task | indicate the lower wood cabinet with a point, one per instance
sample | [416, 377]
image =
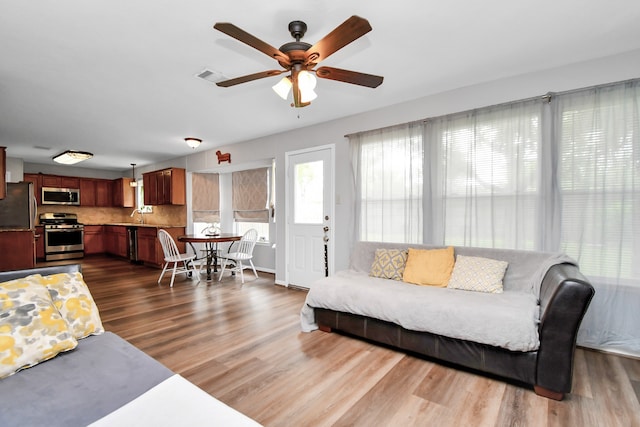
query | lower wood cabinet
[115, 240]
[40, 255]
[149, 247]
[19, 251]
[94, 240]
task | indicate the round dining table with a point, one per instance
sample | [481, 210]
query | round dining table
[211, 246]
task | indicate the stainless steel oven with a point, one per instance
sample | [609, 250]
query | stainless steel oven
[63, 236]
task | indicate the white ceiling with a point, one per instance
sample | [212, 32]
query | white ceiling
[117, 77]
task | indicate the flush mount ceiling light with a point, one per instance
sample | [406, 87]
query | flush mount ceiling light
[193, 142]
[299, 59]
[71, 157]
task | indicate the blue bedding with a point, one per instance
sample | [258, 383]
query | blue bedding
[81, 386]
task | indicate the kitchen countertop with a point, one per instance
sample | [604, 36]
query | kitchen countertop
[137, 224]
[16, 229]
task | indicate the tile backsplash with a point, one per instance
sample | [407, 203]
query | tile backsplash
[161, 215]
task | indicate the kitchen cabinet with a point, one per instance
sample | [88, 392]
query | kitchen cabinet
[124, 195]
[60, 181]
[36, 179]
[95, 192]
[149, 247]
[165, 187]
[94, 240]
[20, 250]
[116, 241]
[87, 192]
[39, 243]
[3, 172]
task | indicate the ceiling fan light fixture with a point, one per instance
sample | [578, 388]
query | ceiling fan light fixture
[71, 157]
[307, 82]
[193, 142]
[283, 87]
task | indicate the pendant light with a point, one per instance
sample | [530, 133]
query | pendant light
[133, 183]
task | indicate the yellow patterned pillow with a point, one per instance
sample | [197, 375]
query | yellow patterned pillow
[389, 264]
[478, 274]
[72, 298]
[31, 328]
[430, 267]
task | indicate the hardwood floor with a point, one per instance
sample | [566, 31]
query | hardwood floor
[243, 345]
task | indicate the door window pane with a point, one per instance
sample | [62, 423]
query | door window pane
[308, 192]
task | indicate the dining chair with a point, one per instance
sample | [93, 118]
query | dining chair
[172, 255]
[244, 253]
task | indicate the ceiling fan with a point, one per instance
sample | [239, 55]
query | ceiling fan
[300, 58]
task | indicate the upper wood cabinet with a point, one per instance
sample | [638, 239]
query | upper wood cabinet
[60, 181]
[165, 187]
[124, 195]
[95, 192]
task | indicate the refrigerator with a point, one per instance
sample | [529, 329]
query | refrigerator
[18, 208]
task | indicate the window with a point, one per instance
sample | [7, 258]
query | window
[486, 190]
[389, 170]
[599, 179]
[252, 194]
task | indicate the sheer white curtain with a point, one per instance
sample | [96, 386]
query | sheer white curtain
[485, 177]
[388, 167]
[597, 132]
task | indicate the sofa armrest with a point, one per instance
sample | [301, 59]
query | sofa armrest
[45, 271]
[565, 295]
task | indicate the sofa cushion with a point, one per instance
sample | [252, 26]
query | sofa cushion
[508, 320]
[477, 274]
[431, 267]
[389, 264]
[72, 298]
[31, 328]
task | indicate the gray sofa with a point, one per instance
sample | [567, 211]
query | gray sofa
[100, 381]
[413, 318]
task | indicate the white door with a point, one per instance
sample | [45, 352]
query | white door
[309, 215]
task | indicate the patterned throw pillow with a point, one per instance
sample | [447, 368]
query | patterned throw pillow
[478, 274]
[429, 267]
[31, 328]
[72, 298]
[389, 264]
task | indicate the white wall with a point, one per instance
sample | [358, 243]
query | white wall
[604, 70]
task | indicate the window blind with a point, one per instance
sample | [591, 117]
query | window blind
[250, 190]
[205, 197]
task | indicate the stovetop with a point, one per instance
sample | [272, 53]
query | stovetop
[59, 219]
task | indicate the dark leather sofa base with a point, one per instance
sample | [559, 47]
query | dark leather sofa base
[520, 367]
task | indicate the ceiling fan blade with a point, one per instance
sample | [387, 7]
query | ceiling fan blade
[246, 38]
[353, 77]
[250, 77]
[350, 30]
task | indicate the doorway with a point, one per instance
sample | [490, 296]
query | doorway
[310, 210]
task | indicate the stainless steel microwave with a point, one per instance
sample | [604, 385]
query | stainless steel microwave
[60, 196]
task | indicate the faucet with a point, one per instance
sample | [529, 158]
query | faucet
[141, 219]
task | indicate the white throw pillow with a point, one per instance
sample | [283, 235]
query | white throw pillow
[478, 274]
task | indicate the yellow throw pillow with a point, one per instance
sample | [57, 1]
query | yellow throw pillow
[389, 264]
[430, 267]
[31, 328]
[72, 298]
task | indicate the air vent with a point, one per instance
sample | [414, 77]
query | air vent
[211, 76]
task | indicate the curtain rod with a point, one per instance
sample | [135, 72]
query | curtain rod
[546, 98]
